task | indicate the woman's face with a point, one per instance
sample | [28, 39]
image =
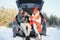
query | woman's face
[35, 12]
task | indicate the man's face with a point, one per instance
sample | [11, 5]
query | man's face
[21, 11]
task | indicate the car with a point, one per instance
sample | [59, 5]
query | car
[27, 6]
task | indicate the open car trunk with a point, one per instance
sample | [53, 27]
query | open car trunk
[30, 1]
[28, 5]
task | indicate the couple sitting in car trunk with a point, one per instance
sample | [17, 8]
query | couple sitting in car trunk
[30, 21]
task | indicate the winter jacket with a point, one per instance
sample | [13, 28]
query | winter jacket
[19, 18]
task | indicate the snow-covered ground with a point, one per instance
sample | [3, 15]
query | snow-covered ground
[7, 34]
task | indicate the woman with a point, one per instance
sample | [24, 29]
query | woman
[35, 20]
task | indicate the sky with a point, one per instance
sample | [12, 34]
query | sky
[50, 7]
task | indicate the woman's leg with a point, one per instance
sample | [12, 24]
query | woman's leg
[36, 31]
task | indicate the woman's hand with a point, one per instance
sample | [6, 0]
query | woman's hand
[33, 20]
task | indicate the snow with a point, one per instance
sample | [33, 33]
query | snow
[52, 34]
[7, 34]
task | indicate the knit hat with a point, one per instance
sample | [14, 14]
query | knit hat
[35, 9]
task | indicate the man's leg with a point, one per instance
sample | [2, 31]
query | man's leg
[29, 28]
[24, 28]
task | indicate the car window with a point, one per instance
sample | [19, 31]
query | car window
[29, 5]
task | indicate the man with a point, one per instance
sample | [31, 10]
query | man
[22, 21]
[35, 20]
[20, 17]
